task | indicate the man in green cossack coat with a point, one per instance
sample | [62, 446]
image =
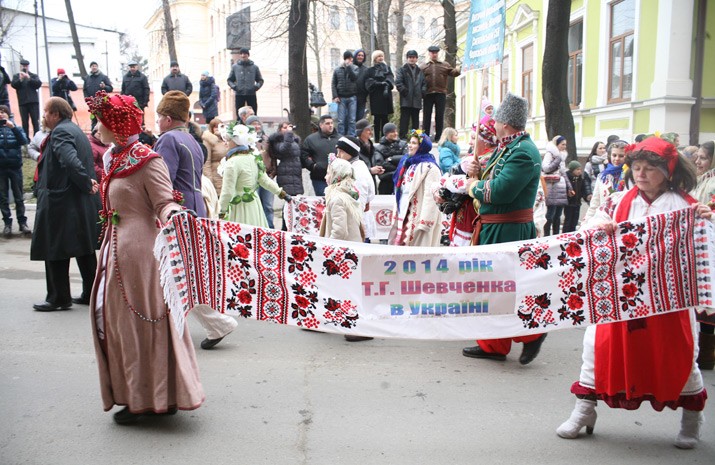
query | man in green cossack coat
[505, 192]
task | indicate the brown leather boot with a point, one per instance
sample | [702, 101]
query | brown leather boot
[706, 357]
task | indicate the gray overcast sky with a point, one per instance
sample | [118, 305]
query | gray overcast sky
[121, 15]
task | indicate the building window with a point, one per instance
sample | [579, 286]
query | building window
[350, 19]
[334, 57]
[433, 29]
[463, 100]
[408, 25]
[504, 80]
[527, 73]
[420, 27]
[575, 66]
[620, 63]
[334, 17]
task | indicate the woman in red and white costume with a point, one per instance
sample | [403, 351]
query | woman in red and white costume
[650, 359]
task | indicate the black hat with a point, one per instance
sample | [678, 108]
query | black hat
[350, 145]
[433, 48]
[347, 54]
[24, 62]
[94, 63]
[412, 53]
[174, 63]
[361, 125]
[244, 50]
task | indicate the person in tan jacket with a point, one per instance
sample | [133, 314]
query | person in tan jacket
[437, 74]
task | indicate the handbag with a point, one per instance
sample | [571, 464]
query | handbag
[317, 99]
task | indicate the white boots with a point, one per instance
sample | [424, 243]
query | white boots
[689, 429]
[584, 414]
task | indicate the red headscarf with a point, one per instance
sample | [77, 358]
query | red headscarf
[660, 147]
[119, 113]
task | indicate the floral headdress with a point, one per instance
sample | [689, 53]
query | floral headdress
[658, 146]
[418, 133]
[425, 141]
[118, 113]
[238, 133]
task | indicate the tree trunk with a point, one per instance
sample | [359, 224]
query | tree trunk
[362, 8]
[168, 30]
[450, 40]
[75, 39]
[383, 32]
[399, 34]
[298, 66]
[315, 46]
[554, 84]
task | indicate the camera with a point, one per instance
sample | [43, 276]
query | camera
[3, 122]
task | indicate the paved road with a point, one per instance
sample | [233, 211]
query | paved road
[277, 395]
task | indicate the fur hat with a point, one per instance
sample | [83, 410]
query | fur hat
[349, 145]
[513, 111]
[175, 104]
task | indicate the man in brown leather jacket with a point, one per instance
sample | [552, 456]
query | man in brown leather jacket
[436, 74]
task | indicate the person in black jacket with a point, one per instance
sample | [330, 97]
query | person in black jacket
[26, 84]
[245, 79]
[582, 190]
[94, 82]
[136, 85]
[67, 208]
[284, 149]
[176, 81]
[61, 87]
[359, 58]
[411, 84]
[344, 86]
[387, 155]
[208, 96]
[12, 138]
[315, 150]
[379, 82]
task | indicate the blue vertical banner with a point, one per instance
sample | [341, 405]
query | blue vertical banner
[485, 36]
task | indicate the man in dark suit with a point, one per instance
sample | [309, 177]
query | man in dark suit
[67, 208]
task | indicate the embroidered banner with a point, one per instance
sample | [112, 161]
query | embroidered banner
[658, 264]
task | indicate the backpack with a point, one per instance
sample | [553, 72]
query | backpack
[218, 93]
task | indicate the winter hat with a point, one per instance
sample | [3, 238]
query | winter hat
[118, 113]
[244, 50]
[512, 111]
[411, 53]
[486, 104]
[574, 165]
[60, 71]
[347, 54]
[361, 125]
[24, 62]
[93, 63]
[205, 73]
[174, 63]
[388, 128]
[252, 119]
[349, 145]
[175, 104]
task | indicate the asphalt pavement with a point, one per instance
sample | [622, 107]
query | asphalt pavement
[278, 395]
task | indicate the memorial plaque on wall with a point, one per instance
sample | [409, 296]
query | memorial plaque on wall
[238, 29]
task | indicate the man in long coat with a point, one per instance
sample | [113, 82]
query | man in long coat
[506, 192]
[67, 208]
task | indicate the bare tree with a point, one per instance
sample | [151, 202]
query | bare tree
[554, 72]
[364, 19]
[7, 17]
[298, 65]
[315, 44]
[168, 30]
[399, 14]
[383, 25]
[75, 39]
[450, 42]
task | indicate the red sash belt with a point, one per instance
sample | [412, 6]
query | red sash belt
[519, 216]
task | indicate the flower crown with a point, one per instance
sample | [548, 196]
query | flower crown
[239, 133]
[418, 133]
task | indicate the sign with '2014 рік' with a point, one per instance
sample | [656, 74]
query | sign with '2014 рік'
[425, 286]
